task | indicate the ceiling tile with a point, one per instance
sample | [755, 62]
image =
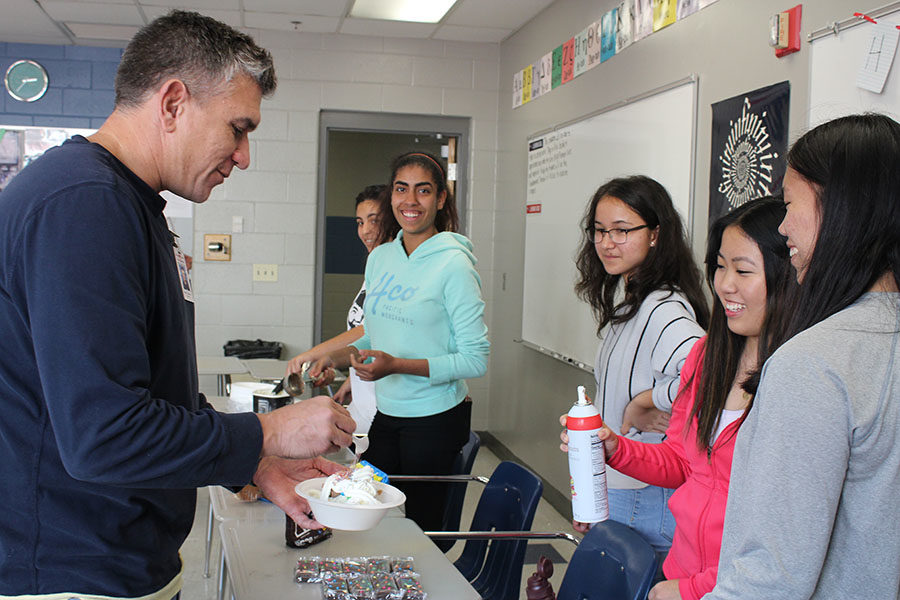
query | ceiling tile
[501, 14]
[283, 22]
[387, 28]
[94, 31]
[194, 4]
[458, 33]
[93, 12]
[321, 8]
[229, 17]
[21, 19]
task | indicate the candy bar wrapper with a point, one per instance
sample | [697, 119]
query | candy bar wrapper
[385, 588]
[358, 566]
[379, 564]
[408, 582]
[379, 474]
[399, 564]
[334, 587]
[359, 587]
[308, 570]
[333, 565]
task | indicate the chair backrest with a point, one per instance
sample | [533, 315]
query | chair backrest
[456, 494]
[508, 503]
[612, 562]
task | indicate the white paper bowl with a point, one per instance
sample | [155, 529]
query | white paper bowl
[349, 517]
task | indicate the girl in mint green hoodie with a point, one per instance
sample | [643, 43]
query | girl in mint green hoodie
[425, 334]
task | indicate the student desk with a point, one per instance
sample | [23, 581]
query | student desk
[259, 564]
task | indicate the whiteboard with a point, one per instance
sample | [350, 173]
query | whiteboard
[834, 63]
[653, 136]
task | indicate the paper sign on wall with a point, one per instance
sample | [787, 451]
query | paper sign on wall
[568, 60]
[581, 53]
[878, 56]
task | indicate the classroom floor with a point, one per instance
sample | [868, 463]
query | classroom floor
[197, 587]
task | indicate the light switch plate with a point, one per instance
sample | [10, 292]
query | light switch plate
[263, 272]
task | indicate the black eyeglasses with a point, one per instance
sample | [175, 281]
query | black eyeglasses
[618, 236]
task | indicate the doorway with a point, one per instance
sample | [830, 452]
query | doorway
[356, 150]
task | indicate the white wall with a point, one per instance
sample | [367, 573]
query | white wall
[276, 196]
[726, 45]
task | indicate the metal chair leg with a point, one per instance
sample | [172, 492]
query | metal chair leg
[222, 580]
[210, 522]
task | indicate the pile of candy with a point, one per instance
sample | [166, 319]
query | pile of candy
[363, 578]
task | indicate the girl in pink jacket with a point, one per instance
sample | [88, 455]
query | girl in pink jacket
[748, 268]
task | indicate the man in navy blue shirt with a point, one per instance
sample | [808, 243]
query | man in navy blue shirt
[104, 436]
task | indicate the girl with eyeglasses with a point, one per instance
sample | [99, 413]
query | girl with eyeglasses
[638, 274]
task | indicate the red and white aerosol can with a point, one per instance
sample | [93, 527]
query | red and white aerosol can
[587, 462]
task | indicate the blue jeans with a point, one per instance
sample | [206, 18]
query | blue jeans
[646, 511]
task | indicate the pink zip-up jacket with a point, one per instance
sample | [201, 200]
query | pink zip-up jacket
[701, 478]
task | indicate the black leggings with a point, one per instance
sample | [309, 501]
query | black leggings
[420, 446]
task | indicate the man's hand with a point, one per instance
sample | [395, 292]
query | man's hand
[277, 477]
[306, 429]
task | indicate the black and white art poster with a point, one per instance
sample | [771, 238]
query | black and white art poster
[749, 147]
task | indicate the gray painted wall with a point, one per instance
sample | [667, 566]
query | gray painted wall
[726, 45]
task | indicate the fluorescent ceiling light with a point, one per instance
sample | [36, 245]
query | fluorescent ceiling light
[417, 11]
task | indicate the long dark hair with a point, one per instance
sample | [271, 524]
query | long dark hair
[758, 220]
[852, 163]
[669, 265]
[447, 218]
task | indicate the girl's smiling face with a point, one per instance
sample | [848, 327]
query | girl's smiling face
[415, 203]
[740, 282]
[802, 220]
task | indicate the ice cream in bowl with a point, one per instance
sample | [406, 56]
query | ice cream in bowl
[351, 501]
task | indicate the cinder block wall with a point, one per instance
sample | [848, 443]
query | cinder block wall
[80, 94]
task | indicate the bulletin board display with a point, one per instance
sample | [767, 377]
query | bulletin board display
[654, 135]
[836, 63]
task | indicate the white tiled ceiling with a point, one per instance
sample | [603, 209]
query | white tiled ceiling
[112, 22]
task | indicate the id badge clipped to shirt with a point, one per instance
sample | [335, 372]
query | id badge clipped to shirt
[183, 274]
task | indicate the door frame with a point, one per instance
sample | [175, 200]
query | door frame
[382, 122]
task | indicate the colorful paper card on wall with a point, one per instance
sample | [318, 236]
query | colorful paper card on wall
[557, 67]
[664, 13]
[593, 45]
[687, 7]
[546, 73]
[568, 60]
[526, 85]
[608, 35]
[581, 53]
[624, 25]
[535, 80]
[643, 19]
[517, 89]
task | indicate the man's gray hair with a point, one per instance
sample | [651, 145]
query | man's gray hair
[202, 52]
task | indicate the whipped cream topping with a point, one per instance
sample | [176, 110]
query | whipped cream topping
[355, 487]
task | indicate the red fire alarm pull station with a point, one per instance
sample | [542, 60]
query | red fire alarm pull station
[786, 31]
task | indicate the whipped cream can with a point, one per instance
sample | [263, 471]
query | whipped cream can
[587, 462]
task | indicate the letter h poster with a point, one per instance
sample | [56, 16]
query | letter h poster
[749, 147]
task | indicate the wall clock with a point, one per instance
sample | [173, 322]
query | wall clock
[26, 80]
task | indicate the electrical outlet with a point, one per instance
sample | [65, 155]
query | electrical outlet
[265, 272]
